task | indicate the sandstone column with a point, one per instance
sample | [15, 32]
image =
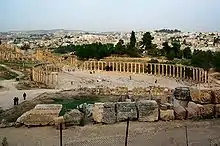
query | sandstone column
[181, 71]
[151, 70]
[205, 72]
[135, 67]
[184, 72]
[170, 70]
[139, 68]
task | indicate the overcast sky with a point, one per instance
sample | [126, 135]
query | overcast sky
[110, 15]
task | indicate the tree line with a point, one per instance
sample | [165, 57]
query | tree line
[197, 58]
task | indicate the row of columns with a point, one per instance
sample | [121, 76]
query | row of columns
[12, 56]
[175, 71]
[45, 77]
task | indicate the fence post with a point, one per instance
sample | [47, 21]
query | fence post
[187, 142]
[61, 140]
[126, 137]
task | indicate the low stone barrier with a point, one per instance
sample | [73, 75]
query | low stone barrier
[42, 114]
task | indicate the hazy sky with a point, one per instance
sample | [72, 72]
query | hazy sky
[110, 15]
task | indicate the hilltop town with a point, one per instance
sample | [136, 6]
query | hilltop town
[60, 37]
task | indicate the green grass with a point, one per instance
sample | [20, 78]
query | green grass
[69, 104]
[6, 75]
[18, 64]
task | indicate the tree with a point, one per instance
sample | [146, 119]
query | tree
[166, 48]
[146, 41]
[187, 53]
[119, 48]
[171, 55]
[176, 47]
[0, 42]
[132, 40]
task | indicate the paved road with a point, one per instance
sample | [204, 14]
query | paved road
[140, 134]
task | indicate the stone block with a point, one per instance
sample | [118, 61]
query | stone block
[109, 113]
[97, 112]
[206, 111]
[73, 117]
[217, 110]
[126, 110]
[148, 110]
[42, 114]
[192, 111]
[167, 115]
[201, 96]
[179, 112]
[216, 94]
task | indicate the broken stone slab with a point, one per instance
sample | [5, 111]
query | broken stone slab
[201, 96]
[206, 111]
[97, 112]
[192, 111]
[126, 110]
[167, 115]
[42, 114]
[73, 117]
[217, 110]
[216, 94]
[179, 112]
[104, 112]
[148, 110]
[109, 113]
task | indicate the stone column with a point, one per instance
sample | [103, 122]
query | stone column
[159, 69]
[98, 65]
[177, 71]
[113, 66]
[120, 67]
[162, 72]
[102, 66]
[201, 76]
[170, 70]
[184, 72]
[131, 67]
[124, 66]
[135, 67]
[151, 69]
[90, 63]
[139, 68]
[205, 73]
[174, 71]
[181, 71]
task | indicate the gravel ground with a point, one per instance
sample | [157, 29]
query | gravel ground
[140, 134]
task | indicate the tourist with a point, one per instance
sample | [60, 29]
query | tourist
[17, 100]
[130, 77]
[24, 96]
[14, 100]
[155, 81]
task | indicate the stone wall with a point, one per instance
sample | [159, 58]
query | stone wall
[150, 111]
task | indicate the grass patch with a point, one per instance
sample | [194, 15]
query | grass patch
[6, 75]
[18, 64]
[69, 104]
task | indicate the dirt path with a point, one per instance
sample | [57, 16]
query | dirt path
[140, 134]
[9, 91]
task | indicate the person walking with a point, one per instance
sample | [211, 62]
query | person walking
[24, 96]
[17, 100]
[14, 100]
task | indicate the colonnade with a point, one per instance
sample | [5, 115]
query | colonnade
[47, 75]
[169, 70]
[11, 56]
